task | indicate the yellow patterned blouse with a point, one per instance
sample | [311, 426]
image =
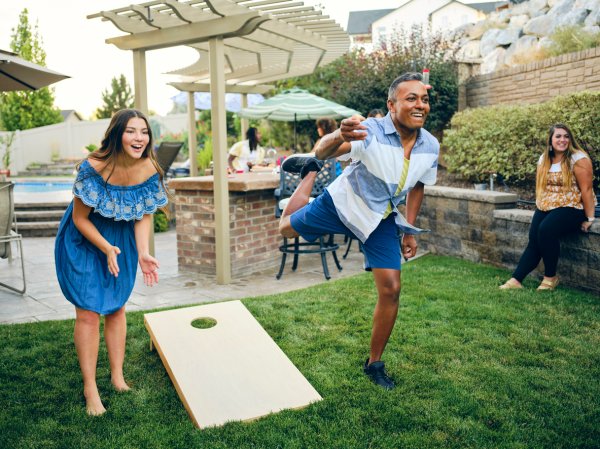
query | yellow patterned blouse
[556, 194]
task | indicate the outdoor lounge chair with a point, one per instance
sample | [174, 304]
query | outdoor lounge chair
[166, 153]
[287, 184]
[8, 231]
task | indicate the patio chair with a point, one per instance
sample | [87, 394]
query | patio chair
[8, 231]
[287, 185]
[166, 153]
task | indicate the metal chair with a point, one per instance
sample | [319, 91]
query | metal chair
[166, 153]
[287, 185]
[8, 231]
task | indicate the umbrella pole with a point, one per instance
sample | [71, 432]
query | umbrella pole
[295, 149]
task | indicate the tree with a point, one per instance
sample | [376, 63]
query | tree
[360, 80]
[28, 109]
[119, 97]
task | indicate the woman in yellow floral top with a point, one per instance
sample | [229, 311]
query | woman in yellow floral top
[564, 203]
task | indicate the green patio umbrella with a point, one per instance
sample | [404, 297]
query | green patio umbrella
[296, 104]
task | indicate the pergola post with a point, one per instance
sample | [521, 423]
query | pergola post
[219, 141]
[192, 135]
[140, 86]
[244, 121]
[140, 89]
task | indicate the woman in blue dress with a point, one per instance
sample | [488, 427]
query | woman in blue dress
[102, 237]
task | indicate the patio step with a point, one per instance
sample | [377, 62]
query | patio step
[38, 228]
[38, 215]
[39, 219]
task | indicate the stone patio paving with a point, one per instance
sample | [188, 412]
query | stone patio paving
[44, 301]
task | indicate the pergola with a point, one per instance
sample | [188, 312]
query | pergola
[242, 45]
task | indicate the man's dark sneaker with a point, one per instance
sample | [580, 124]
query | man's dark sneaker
[301, 164]
[377, 374]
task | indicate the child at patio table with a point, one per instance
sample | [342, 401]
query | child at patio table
[101, 238]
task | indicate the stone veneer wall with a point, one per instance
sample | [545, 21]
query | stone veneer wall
[484, 226]
[254, 231]
[535, 82]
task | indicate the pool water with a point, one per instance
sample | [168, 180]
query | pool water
[43, 186]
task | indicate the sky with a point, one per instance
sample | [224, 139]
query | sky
[76, 46]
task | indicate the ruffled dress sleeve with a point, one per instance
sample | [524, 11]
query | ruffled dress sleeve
[118, 202]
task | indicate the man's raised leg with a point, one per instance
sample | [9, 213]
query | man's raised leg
[297, 201]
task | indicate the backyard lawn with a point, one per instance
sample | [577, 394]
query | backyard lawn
[476, 367]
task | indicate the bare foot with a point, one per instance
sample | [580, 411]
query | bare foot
[120, 385]
[93, 403]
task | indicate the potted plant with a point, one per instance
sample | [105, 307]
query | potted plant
[6, 142]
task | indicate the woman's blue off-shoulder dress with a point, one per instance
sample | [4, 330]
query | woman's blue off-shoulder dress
[81, 268]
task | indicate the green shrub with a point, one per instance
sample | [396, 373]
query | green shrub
[161, 222]
[205, 156]
[570, 39]
[508, 140]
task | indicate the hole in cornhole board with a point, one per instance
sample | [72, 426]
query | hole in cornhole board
[204, 323]
[232, 371]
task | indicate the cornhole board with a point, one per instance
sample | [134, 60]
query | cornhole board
[230, 372]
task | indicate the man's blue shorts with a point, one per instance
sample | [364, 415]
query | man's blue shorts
[382, 248]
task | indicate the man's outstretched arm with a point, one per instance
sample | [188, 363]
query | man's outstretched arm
[338, 142]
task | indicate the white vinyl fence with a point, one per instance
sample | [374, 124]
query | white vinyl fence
[68, 140]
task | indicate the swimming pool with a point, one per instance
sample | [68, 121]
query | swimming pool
[42, 186]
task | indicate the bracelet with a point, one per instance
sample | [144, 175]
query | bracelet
[591, 219]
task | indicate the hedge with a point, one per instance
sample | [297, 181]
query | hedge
[508, 140]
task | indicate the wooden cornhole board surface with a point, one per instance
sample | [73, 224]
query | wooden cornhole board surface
[230, 372]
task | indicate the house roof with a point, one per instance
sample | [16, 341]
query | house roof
[483, 7]
[359, 22]
[68, 112]
[487, 7]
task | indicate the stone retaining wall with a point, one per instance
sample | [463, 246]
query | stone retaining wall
[484, 226]
[535, 82]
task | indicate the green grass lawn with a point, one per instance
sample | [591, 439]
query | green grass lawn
[475, 367]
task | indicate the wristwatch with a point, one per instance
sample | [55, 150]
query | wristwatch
[590, 219]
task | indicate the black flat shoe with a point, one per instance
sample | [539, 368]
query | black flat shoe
[377, 374]
[302, 165]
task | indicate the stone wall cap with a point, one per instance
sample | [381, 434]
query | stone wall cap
[484, 196]
[242, 182]
[520, 215]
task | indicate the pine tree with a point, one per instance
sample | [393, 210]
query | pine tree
[28, 109]
[119, 97]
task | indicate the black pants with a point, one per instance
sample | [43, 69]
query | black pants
[544, 233]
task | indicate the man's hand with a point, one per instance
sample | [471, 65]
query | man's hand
[409, 246]
[351, 129]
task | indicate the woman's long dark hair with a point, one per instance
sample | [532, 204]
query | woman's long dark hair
[252, 136]
[111, 147]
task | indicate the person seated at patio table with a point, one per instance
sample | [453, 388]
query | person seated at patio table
[244, 154]
[565, 203]
[326, 126]
[393, 158]
[102, 237]
[377, 113]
